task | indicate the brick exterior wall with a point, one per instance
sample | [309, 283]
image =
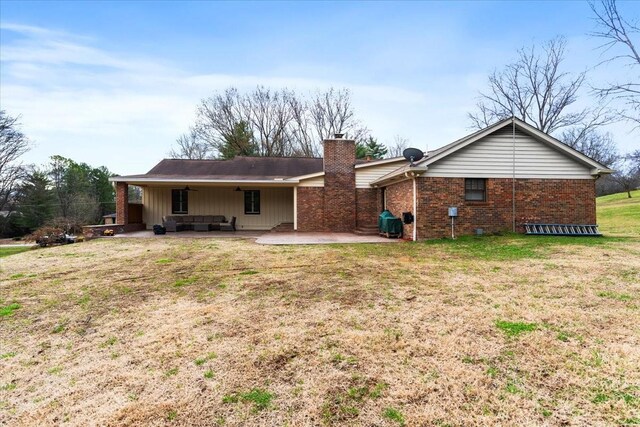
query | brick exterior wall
[368, 206]
[310, 208]
[399, 198]
[122, 203]
[561, 201]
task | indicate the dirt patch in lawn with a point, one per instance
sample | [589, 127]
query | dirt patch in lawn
[507, 330]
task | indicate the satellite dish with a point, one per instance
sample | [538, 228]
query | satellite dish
[413, 154]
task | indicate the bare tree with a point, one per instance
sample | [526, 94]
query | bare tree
[13, 144]
[274, 122]
[190, 146]
[619, 35]
[589, 140]
[398, 145]
[533, 88]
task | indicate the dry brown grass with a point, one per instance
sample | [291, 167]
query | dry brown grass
[109, 331]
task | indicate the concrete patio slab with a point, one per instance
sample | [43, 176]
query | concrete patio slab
[296, 238]
[192, 234]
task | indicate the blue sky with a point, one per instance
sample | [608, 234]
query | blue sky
[114, 83]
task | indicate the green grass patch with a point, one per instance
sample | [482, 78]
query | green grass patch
[393, 414]
[9, 309]
[171, 372]
[183, 282]
[8, 387]
[164, 261]
[208, 374]
[248, 272]
[260, 398]
[613, 295]
[12, 251]
[513, 329]
[8, 355]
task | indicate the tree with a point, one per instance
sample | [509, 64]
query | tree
[535, 89]
[627, 176]
[36, 201]
[190, 146]
[593, 143]
[398, 146]
[370, 149]
[268, 122]
[13, 144]
[83, 194]
[619, 34]
[239, 142]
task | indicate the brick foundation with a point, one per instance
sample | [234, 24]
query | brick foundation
[562, 201]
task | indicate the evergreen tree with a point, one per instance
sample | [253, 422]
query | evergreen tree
[371, 148]
[239, 142]
[35, 201]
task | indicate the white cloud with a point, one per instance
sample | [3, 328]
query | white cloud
[124, 111]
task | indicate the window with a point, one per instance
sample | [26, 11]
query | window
[179, 201]
[252, 202]
[475, 189]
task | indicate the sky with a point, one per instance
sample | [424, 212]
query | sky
[115, 83]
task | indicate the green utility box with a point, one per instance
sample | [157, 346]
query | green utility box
[389, 225]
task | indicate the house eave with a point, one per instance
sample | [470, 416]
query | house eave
[399, 175]
[185, 180]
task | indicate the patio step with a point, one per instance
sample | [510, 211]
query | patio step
[366, 230]
[284, 227]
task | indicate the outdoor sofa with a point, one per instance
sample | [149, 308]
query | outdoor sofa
[197, 223]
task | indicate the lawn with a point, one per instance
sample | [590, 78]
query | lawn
[507, 330]
[6, 251]
[618, 214]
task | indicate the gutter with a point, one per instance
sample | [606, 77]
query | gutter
[203, 181]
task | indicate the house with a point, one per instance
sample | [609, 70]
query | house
[498, 178]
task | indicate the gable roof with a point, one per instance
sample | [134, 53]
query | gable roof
[434, 156]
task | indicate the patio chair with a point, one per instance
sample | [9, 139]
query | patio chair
[228, 226]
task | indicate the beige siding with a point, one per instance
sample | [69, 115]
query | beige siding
[492, 157]
[276, 205]
[318, 181]
[365, 176]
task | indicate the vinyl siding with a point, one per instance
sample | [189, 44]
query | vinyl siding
[312, 182]
[365, 176]
[492, 157]
[276, 205]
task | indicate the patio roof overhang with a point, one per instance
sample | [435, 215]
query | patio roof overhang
[180, 181]
[401, 174]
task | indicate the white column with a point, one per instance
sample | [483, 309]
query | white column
[295, 208]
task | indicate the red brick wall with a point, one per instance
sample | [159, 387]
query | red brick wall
[339, 185]
[537, 200]
[368, 206]
[310, 205]
[122, 203]
[399, 199]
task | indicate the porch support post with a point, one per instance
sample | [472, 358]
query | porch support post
[295, 208]
[122, 203]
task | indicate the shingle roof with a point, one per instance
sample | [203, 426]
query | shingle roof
[239, 168]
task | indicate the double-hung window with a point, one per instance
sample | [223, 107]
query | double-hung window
[252, 202]
[179, 202]
[475, 189]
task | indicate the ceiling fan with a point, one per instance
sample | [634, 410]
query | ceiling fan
[189, 189]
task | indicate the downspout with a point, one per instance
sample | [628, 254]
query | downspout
[415, 211]
[513, 178]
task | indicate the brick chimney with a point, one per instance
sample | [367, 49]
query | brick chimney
[339, 184]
